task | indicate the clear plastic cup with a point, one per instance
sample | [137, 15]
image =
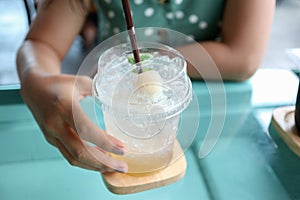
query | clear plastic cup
[144, 115]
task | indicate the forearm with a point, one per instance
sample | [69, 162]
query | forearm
[50, 36]
[245, 31]
[216, 60]
[36, 58]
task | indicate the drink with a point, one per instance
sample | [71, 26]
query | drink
[143, 110]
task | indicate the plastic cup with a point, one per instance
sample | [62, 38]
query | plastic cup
[144, 115]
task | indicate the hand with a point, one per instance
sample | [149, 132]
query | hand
[50, 98]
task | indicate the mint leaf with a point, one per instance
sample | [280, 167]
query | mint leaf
[143, 57]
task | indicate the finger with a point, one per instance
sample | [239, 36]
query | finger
[83, 85]
[92, 133]
[114, 140]
[108, 160]
[67, 155]
[85, 127]
[71, 159]
[86, 154]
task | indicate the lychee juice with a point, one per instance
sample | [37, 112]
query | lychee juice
[143, 109]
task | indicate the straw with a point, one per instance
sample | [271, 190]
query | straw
[131, 33]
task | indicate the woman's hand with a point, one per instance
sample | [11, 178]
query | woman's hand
[53, 98]
[54, 101]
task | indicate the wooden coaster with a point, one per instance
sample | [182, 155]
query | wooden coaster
[125, 183]
[283, 120]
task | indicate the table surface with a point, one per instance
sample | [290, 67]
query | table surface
[246, 159]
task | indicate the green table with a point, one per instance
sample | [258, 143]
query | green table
[246, 162]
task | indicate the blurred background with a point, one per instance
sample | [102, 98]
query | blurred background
[14, 25]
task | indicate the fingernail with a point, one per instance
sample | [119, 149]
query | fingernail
[121, 170]
[119, 151]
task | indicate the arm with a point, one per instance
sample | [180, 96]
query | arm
[49, 38]
[53, 97]
[245, 30]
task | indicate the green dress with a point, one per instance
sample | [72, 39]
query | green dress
[198, 19]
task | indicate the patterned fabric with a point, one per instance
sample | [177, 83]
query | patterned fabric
[199, 19]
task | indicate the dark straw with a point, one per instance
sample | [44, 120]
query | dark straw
[131, 33]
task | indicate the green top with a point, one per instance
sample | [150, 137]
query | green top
[199, 19]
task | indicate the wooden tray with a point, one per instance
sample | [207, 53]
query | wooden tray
[284, 122]
[125, 183]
